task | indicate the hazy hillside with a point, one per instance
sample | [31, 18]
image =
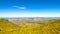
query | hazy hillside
[32, 20]
[51, 26]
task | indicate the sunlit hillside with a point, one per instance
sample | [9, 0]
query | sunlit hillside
[6, 26]
[51, 26]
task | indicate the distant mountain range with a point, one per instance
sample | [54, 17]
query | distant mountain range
[18, 20]
[31, 18]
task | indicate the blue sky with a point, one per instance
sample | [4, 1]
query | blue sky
[29, 8]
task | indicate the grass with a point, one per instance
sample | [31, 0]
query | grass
[52, 27]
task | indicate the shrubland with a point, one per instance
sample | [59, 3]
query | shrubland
[51, 26]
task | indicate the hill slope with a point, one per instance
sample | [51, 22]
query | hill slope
[7, 26]
[53, 27]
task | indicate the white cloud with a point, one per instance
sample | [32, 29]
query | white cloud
[19, 7]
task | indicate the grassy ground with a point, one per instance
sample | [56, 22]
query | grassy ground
[52, 27]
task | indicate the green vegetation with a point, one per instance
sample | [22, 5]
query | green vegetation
[48, 27]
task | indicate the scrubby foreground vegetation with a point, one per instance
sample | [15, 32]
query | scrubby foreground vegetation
[48, 27]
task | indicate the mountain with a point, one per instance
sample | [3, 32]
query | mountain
[35, 20]
[7, 27]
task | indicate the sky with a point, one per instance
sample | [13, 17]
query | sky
[29, 8]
